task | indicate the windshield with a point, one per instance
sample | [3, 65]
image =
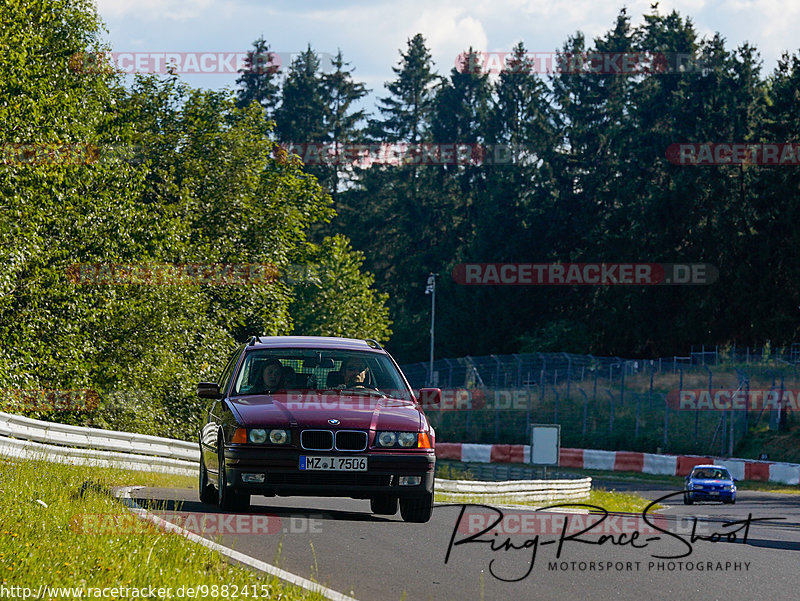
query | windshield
[266, 371]
[711, 474]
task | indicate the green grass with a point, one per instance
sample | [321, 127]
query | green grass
[452, 470]
[624, 502]
[38, 544]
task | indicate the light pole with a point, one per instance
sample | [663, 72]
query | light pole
[431, 289]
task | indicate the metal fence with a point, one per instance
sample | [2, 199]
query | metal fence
[614, 403]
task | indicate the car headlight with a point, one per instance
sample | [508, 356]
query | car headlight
[690, 486]
[407, 439]
[257, 436]
[387, 439]
[278, 436]
[261, 435]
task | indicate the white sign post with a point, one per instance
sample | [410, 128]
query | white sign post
[545, 444]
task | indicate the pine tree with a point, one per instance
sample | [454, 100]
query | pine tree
[257, 82]
[406, 111]
[302, 115]
[341, 120]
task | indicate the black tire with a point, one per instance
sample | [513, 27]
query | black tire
[417, 509]
[687, 499]
[383, 505]
[227, 498]
[206, 490]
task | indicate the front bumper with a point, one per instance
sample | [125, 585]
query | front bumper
[283, 476]
[711, 495]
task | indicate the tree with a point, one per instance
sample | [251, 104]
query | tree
[335, 298]
[302, 115]
[257, 80]
[159, 174]
[406, 111]
[341, 122]
[462, 104]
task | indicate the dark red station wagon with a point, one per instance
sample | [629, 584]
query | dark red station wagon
[317, 416]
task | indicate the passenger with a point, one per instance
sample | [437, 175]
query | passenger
[272, 376]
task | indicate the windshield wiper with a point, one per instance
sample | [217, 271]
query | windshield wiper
[372, 391]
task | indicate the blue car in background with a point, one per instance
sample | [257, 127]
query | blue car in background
[709, 483]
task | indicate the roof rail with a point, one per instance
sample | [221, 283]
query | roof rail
[253, 341]
[373, 343]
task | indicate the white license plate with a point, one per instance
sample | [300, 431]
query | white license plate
[714, 493]
[333, 464]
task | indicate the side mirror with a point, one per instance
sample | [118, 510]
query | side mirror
[208, 390]
[736, 479]
[430, 396]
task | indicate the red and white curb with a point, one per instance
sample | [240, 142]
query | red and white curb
[622, 461]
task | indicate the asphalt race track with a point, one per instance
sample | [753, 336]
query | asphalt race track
[338, 543]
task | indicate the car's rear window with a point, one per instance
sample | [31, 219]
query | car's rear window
[316, 370]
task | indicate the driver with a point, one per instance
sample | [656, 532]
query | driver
[354, 372]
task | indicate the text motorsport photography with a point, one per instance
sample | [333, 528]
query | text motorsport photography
[513, 543]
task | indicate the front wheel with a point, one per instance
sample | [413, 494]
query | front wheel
[417, 509]
[227, 498]
[687, 499]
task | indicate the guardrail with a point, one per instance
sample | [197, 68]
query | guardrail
[532, 491]
[23, 437]
[26, 428]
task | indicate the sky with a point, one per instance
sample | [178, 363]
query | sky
[370, 34]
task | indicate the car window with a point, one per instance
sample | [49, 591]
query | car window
[225, 377]
[318, 370]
